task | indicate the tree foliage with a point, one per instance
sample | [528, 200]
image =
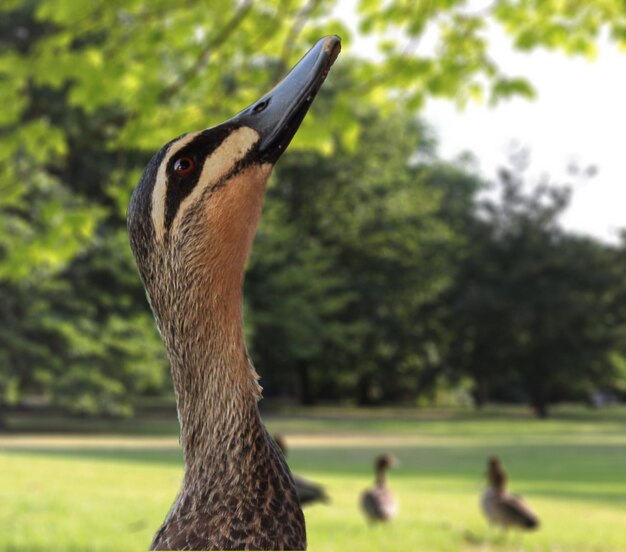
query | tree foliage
[530, 309]
[345, 259]
[355, 248]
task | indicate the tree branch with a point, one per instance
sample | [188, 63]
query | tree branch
[205, 55]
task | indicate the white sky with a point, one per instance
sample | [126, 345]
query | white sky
[579, 113]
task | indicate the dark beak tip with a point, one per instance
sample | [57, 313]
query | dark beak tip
[332, 47]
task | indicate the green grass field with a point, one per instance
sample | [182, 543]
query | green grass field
[111, 490]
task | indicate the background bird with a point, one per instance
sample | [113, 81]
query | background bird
[379, 503]
[308, 491]
[501, 508]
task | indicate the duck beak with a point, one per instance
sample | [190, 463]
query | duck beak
[278, 114]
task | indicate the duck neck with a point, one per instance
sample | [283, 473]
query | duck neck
[216, 386]
[497, 480]
[381, 477]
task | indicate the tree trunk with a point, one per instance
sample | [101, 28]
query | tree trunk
[539, 399]
[479, 393]
[307, 397]
[541, 408]
[363, 388]
[3, 419]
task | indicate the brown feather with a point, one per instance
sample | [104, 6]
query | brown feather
[308, 491]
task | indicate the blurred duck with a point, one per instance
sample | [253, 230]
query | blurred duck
[308, 492]
[379, 503]
[502, 508]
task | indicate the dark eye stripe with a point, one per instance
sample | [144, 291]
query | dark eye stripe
[178, 188]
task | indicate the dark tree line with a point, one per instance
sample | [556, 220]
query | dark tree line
[422, 280]
[532, 308]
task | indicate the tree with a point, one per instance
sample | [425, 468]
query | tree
[617, 317]
[349, 250]
[530, 308]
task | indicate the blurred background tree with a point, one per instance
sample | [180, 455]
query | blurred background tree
[529, 307]
[375, 277]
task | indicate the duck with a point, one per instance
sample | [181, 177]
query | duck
[378, 503]
[191, 222]
[501, 508]
[308, 491]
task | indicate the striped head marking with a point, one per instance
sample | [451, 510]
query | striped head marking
[202, 190]
[193, 165]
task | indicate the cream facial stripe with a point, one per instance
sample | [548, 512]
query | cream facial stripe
[232, 150]
[159, 192]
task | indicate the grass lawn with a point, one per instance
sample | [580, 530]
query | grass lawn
[111, 490]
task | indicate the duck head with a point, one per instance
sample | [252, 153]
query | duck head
[385, 462]
[193, 215]
[495, 473]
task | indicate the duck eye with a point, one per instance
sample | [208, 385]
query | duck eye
[184, 166]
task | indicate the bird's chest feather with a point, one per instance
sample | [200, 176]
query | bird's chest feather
[235, 509]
